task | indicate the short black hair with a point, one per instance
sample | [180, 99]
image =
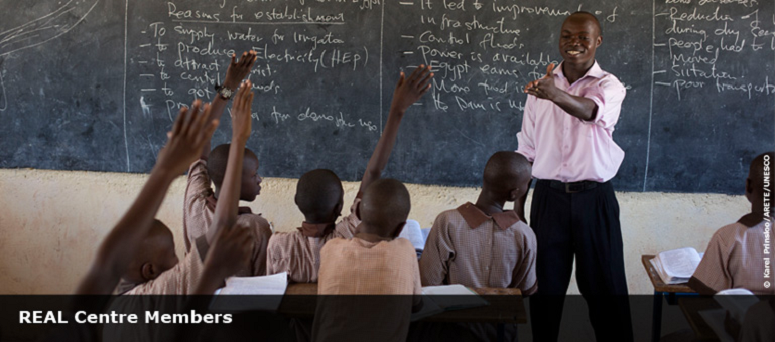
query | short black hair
[385, 205]
[219, 159]
[756, 173]
[594, 18]
[505, 170]
[318, 192]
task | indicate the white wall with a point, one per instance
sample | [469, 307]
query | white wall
[52, 221]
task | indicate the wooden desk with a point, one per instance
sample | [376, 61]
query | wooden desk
[506, 306]
[691, 308]
[661, 290]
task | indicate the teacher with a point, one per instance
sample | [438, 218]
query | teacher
[567, 132]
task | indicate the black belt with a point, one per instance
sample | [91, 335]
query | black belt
[570, 188]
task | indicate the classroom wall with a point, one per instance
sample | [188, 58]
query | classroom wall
[52, 221]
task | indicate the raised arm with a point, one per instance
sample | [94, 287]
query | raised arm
[226, 209]
[189, 133]
[577, 106]
[236, 72]
[407, 92]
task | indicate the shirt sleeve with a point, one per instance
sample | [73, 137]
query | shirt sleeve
[525, 138]
[179, 280]
[713, 270]
[197, 189]
[274, 256]
[524, 275]
[434, 262]
[608, 95]
[347, 227]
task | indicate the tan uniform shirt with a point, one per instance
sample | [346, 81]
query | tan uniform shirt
[735, 259]
[299, 255]
[359, 267]
[179, 280]
[198, 216]
[467, 247]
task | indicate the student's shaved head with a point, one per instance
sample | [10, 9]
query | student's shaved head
[385, 206]
[506, 170]
[157, 248]
[318, 194]
[219, 158]
[756, 174]
[586, 15]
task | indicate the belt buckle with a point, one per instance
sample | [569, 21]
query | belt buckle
[571, 188]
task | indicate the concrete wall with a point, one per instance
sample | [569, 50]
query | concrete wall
[53, 221]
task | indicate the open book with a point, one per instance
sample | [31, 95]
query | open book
[736, 301]
[268, 292]
[414, 234]
[437, 299]
[676, 266]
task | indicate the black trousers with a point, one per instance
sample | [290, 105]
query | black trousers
[584, 225]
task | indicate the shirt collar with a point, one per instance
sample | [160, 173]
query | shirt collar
[595, 71]
[475, 217]
[212, 202]
[316, 229]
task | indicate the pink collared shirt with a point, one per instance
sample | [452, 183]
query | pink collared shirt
[565, 148]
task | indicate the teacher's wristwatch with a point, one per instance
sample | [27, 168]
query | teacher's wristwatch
[224, 92]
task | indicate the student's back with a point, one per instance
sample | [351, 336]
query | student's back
[735, 257]
[373, 263]
[483, 245]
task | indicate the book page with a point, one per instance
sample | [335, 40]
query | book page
[452, 297]
[251, 293]
[267, 285]
[413, 233]
[680, 263]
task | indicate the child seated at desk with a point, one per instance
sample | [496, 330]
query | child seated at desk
[482, 245]
[735, 255]
[375, 263]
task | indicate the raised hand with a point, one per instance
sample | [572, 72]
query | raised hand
[543, 88]
[230, 252]
[409, 90]
[239, 69]
[240, 111]
[191, 130]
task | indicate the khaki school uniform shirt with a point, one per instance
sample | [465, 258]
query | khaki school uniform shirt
[179, 280]
[468, 247]
[199, 210]
[298, 252]
[381, 270]
[735, 259]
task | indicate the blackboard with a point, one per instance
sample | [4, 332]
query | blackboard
[95, 84]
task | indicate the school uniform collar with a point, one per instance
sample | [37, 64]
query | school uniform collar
[595, 71]
[475, 217]
[316, 229]
[211, 202]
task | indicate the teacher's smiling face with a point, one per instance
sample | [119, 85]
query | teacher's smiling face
[579, 39]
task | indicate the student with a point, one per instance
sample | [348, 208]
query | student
[184, 277]
[483, 245]
[735, 254]
[189, 133]
[200, 199]
[373, 262]
[319, 195]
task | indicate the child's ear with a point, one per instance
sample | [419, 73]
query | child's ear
[399, 229]
[514, 195]
[338, 209]
[749, 189]
[148, 271]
